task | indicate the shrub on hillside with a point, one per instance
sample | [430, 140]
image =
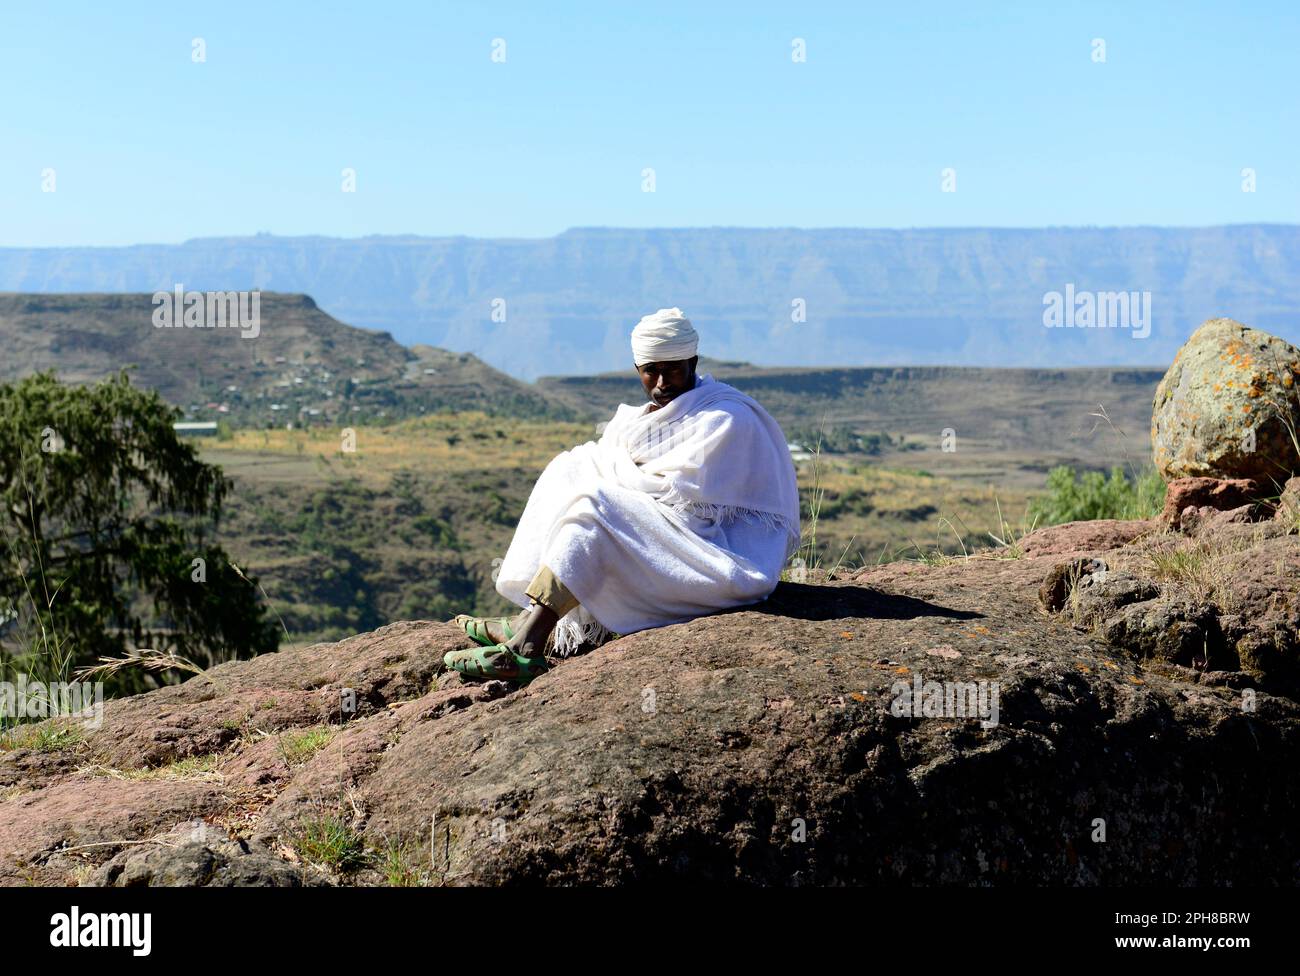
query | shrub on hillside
[1072, 497]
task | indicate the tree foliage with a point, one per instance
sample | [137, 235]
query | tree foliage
[1072, 498]
[107, 535]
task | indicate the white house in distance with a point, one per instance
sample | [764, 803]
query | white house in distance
[199, 428]
[798, 452]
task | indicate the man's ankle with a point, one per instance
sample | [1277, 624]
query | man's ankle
[530, 649]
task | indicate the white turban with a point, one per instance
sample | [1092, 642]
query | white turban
[663, 337]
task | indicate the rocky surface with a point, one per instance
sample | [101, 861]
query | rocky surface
[196, 855]
[1190, 495]
[1229, 407]
[1152, 703]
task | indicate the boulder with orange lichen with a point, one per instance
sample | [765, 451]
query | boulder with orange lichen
[1229, 407]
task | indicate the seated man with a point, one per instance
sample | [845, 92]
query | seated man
[687, 505]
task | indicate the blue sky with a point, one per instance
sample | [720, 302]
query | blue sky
[148, 146]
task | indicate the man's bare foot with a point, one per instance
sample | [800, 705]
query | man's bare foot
[491, 626]
[531, 633]
[498, 634]
[494, 630]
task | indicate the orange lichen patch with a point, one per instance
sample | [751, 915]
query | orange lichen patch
[902, 669]
[1084, 668]
[1246, 408]
[1136, 681]
[857, 696]
[1217, 387]
[846, 634]
[1235, 354]
[1287, 380]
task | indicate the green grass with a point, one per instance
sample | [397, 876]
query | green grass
[937, 556]
[807, 559]
[1009, 536]
[1177, 564]
[399, 867]
[45, 737]
[298, 747]
[327, 840]
[1202, 569]
[190, 769]
[34, 648]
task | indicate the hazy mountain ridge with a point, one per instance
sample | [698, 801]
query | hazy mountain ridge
[929, 296]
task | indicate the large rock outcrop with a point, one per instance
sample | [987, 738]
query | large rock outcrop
[764, 745]
[1229, 407]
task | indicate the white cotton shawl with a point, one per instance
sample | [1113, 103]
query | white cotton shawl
[672, 514]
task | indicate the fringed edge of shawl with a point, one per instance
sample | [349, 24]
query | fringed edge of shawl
[578, 628]
[729, 513]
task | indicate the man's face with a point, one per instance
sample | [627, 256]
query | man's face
[664, 382]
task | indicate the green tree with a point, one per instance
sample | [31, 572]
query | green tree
[1072, 498]
[106, 528]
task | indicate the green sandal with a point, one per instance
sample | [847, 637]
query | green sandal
[476, 627]
[495, 661]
